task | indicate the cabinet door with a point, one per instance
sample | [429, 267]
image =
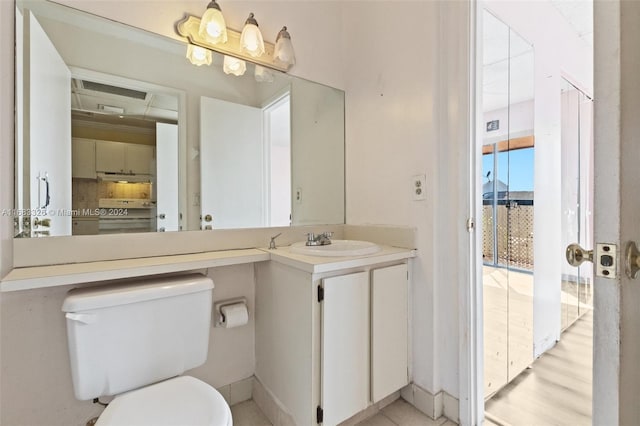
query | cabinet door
[389, 330]
[84, 226]
[138, 159]
[110, 157]
[83, 158]
[345, 346]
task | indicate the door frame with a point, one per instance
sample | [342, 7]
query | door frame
[613, 67]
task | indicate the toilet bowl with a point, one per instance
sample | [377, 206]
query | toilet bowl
[133, 341]
[183, 401]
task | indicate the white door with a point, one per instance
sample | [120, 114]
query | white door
[45, 138]
[167, 177]
[616, 207]
[277, 142]
[231, 165]
[389, 330]
[345, 347]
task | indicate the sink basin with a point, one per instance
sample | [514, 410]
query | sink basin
[337, 248]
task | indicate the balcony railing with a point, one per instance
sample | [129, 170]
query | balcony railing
[514, 232]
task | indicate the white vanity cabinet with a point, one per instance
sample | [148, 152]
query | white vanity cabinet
[83, 158]
[119, 157]
[329, 344]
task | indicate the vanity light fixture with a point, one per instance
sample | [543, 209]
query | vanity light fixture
[234, 66]
[263, 75]
[283, 52]
[213, 28]
[199, 55]
[251, 41]
[248, 45]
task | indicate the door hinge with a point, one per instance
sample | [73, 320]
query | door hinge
[320, 294]
[471, 224]
[319, 414]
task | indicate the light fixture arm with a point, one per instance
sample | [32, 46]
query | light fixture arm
[214, 5]
[251, 20]
[188, 28]
[283, 33]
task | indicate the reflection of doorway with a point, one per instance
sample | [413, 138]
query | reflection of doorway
[577, 198]
[125, 154]
[277, 158]
[549, 296]
[507, 203]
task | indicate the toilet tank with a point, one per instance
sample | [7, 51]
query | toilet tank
[126, 336]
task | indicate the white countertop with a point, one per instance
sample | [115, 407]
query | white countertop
[76, 273]
[318, 264]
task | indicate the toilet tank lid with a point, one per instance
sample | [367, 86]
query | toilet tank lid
[104, 296]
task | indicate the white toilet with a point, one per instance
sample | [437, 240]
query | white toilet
[132, 341]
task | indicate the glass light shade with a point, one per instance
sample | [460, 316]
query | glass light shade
[234, 66]
[283, 51]
[263, 75]
[212, 25]
[251, 41]
[199, 55]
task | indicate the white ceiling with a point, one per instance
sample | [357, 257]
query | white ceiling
[508, 67]
[508, 72]
[579, 13]
[155, 106]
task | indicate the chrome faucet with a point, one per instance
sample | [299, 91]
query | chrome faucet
[272, 243]
[323, 239]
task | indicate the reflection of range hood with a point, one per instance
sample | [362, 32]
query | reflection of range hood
[124, 178]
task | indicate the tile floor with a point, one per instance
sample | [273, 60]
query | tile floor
[398, 413]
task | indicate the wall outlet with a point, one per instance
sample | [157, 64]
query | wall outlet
[418, 187]
[299, 195]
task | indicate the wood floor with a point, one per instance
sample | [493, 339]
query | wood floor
[556, 390]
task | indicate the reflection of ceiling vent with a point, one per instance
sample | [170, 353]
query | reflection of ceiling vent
[111, 109]
[114, 90]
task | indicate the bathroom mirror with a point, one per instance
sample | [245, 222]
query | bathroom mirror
[115, 133]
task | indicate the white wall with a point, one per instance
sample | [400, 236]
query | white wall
[36, 376]
[317, 156]
[315, 27]
[6, 144]
[558, 51]
[392, 134]
[515, 121]
[35, 380]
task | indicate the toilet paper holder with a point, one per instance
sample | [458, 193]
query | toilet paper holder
[217, 309]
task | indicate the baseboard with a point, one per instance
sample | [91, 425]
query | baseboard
[277, 415]
[237, 392]
[269, 405]
[434, 406]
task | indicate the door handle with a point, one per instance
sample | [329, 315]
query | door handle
[576, 255]
[633, 260]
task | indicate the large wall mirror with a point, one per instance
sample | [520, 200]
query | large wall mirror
[116, 131]
[508, 148]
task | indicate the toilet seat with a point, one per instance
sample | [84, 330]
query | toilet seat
[182, 401]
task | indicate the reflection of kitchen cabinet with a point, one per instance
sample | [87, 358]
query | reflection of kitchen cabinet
[84, 226]
[138, 159]
[83, 158]
[335, 356]
[118, 157]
